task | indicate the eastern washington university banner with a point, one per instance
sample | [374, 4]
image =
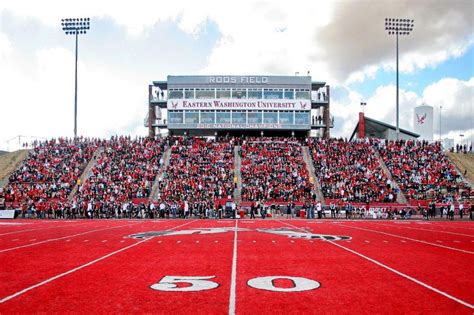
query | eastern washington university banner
[239, 104]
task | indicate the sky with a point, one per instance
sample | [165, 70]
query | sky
[131, 44]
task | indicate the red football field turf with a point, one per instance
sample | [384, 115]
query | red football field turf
[242, 267]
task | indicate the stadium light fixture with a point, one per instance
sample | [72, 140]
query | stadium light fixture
[363, 104]
[76, 27]
[398, 26]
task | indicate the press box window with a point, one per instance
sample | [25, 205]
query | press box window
[222, 93]
[239, 94]
[270, 117]
[188, 93]
[175, 117]
[273, 93]
[286, 118]
[191, 117]
[223, 117]
[175, 94]
[254, 93]
[205, 93]
[254, 117]
[238, 117]
[207, 117]
[302, 118]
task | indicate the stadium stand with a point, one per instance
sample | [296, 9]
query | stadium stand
[273, 170]
[200, 173]
[349, 171]
[423, 171]
[47, 176]
[125, 171]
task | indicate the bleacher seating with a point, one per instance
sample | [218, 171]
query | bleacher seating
[200, 171]
[273, 169]
[50, 172]
[350, 171]
[422, 170]
[126, 169]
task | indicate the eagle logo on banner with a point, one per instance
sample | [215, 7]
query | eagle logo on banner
[174, 105]
[420, 120]
[303, 105]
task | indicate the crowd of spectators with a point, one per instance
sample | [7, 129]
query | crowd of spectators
[125, 170]
[199, 174]
[350, 171]
[273, 169]
[422, 170]
[49, 173]
[199, 179]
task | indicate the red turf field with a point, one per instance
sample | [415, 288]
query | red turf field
[94, 267]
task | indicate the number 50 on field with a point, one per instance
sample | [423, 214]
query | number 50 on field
[202, 283]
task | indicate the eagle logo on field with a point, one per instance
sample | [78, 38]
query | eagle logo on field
[174, 105]
[306, 235]
[279, 231]
[421, 119]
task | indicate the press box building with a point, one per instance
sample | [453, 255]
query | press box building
[239, 105]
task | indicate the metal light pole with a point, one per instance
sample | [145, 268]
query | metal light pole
[363, 104]
[75, 26]
[396, 26]
[440, 108]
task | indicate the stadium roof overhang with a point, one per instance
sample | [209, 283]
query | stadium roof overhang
[317, 85]
[376, 126]
[162, 85]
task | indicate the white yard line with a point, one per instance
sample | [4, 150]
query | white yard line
[5, 299]
[63, 237]
[449, 296]
[396, 272]
[412, 239]
[39, 229]
[234, 274]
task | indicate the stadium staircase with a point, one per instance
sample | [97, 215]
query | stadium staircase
[400, 196]
[155, 190]
[237, 166]
[87, 172]
[310, 167]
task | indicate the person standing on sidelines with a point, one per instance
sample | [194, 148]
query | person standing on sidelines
[311, 210]
[186, 209]
[263, 210]
[288, 211]
[332, 207]
[252, 210]
[319, 210]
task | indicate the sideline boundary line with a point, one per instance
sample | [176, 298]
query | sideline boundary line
[5, 299]
[396, 272]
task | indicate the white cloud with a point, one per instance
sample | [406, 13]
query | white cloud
[339, 42]
[5, 47]
[454, 95]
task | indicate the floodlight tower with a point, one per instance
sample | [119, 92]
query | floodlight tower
[75, 26]
[396, 26]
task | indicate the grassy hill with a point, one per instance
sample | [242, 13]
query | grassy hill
[10, 161]
[464, 162]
